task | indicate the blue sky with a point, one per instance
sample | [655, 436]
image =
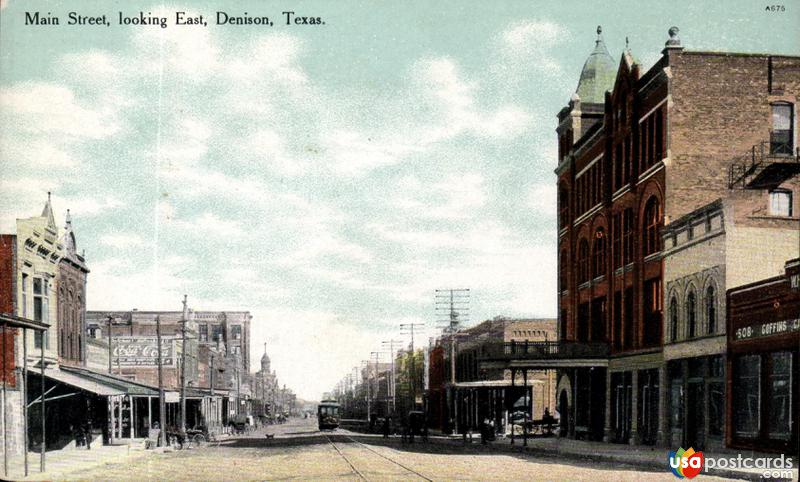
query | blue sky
[330, 178]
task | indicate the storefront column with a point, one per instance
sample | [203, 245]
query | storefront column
[634, 439]
[607, 423]
[662, 439]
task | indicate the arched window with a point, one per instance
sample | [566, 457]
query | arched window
[583, 261]
[673, 319]
[691, 315]
[711, 310]
[563, 271]
[599, 253]
[652, 227]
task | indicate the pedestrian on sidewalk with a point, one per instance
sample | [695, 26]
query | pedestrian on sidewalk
[387, 422]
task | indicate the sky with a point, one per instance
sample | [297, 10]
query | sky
[326, 178]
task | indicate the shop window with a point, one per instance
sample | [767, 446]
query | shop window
[781, 137]
[599, 253]
[780, 202]
[652, 227]
[780, 396]
[676, 402]
[711, 310]
[716, 397]
[673, 319]
[691, 315]
[747, 396]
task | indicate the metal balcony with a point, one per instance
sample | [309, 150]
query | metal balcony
[767, 165]
[543, 350]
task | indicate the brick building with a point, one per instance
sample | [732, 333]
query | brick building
[485, 385]
[637, 152]
[763, 340]
[71, 300]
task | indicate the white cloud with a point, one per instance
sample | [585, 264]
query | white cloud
[121, 240]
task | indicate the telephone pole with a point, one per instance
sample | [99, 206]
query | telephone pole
[408, 329]
[110, 358]
[162, 408]
[183, 367]
[391, 345]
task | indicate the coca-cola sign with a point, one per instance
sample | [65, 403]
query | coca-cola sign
[142, 351]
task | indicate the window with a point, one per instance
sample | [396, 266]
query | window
[780, 395]
[659, 141]
[563, 206]
[652, 228]
[780, 202]
[716, 390]
[618, 167]
[627, 320]
[563, 270]
[747, 396]
[599, 258]
[583, 261]
[203, 332]
[24, 295]
[691, 315]
[216, 333]
[236, 332]
[653, 309]
[673, 319]
[781, 137]
[616, 248]
[627, 234]
[711, 310]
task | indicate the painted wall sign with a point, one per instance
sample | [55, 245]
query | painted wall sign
[767, 329]
[142, 351]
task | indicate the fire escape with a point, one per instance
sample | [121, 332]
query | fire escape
[767, 165]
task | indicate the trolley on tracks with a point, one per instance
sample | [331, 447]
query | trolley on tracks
[328, 415]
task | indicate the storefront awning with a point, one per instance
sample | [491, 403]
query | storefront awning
[79, 382]
[495, 384]
[101, 384]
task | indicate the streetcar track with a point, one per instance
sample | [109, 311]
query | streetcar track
[352, 467]
[407, 469]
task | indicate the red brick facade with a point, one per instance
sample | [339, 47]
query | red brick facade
[7, 303]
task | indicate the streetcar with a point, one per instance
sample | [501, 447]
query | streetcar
[328, 414]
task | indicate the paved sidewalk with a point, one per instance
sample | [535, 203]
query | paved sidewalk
[643, 456]
[58, 463]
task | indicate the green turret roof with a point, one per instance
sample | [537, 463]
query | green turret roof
[598, 74]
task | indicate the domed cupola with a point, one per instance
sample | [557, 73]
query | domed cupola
[598, 74]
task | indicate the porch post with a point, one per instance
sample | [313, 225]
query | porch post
[132, 413]
[634, 438]
[527, 404]
[607, 423]
[663, 407]
[511, 408]
[25, 395]
[41, 449]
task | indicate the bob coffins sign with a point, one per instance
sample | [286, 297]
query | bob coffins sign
[142, 351]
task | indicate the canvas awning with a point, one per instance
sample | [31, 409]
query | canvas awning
[495, 384]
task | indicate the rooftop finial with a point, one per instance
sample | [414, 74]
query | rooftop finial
[48, 195]
[627, 43]
[599, 31]
[674, 40]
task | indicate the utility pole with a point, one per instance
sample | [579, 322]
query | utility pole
[369, 408]
[391, 344]
[452, 309]
[377, 354]
[162, 409]
[183, 367]
[406, 329]
[110, 358]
